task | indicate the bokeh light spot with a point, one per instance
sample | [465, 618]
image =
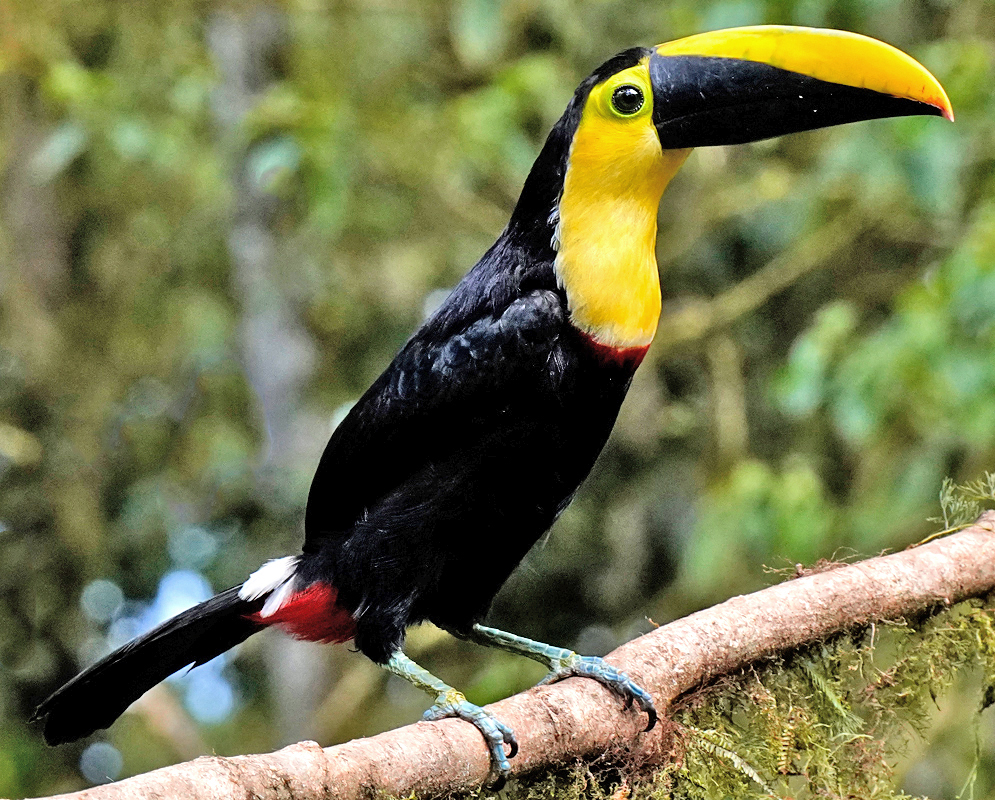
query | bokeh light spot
[101, 762]
[101, 600]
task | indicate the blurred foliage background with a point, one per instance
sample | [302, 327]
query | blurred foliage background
[219, 221]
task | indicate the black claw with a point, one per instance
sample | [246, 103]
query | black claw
[498, 736]
[651, 722]
[498, 783]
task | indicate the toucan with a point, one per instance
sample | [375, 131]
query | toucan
[480, 431]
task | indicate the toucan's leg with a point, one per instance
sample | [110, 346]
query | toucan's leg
[451, 703]
[563, 663]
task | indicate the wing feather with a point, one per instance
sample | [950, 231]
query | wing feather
[447, 388]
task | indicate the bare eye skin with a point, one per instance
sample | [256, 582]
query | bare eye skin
[627, 99]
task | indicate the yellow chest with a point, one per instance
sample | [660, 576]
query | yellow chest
[606, 258]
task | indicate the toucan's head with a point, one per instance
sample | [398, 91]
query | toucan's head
[730, 87]
[592, 196]
[745, 84]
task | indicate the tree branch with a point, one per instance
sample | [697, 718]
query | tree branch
[578, 718]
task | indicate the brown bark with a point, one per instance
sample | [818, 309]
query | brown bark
[578, 718]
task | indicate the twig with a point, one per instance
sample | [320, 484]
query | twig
[578, 718]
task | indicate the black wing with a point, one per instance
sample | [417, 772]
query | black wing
[451, 384]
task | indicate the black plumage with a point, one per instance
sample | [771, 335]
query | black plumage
[99, 695]
[464, 451]
[473, 443]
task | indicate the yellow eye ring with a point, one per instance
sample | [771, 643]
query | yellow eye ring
[626, 95]
[627, 100]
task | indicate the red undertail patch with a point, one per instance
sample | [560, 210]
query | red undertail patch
[312, 614]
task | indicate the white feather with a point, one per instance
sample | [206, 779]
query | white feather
[276, 600]
[274, 578]
[554, 222]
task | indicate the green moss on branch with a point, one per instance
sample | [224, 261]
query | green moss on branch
[835, 720]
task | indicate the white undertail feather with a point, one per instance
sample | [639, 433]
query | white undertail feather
[275, 578]
[554, 222]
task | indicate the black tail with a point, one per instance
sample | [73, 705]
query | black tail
[99, 695]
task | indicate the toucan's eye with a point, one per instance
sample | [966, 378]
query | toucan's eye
[627, 99]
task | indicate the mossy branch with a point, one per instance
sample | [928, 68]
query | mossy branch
[578, 719]
[961, 504]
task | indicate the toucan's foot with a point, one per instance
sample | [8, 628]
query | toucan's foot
[568, 664]
[565, 663]
[497, 735]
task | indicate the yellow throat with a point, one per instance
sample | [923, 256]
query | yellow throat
[606, 257]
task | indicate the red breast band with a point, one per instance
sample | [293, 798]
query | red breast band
[629, 357]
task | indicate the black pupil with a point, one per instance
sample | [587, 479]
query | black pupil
[627, 99]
